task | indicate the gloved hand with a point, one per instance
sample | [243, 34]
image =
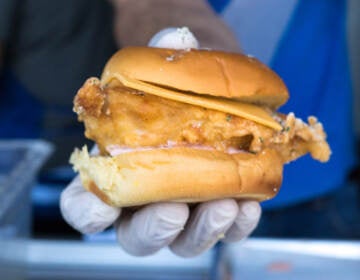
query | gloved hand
[143, 232]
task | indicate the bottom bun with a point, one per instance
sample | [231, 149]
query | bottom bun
[178, 174]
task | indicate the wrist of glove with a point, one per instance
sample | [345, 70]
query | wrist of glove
[186, 232]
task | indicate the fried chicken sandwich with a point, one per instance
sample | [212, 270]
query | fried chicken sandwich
[188, 125]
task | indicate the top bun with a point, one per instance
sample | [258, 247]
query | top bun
[208, 72]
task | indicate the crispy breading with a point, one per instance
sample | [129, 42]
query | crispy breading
[117, 116]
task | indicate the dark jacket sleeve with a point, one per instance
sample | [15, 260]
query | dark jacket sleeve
[8, 10]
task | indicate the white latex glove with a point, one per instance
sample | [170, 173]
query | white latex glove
[152, 227]
[174, 38]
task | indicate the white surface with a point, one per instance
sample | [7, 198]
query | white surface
[252, 259]
[292, 259]
[44, 252]
[80, 260]
[320, 248]
[12, 258]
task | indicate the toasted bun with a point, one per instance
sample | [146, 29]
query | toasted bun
[207, 72]
[179, 174]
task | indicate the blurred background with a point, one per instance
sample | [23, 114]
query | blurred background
[48, 49]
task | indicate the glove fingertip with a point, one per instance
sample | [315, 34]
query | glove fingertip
[250, 210]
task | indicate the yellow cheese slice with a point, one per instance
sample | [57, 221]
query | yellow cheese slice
[244, 110]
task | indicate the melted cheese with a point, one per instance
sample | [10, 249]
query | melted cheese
[244, 110]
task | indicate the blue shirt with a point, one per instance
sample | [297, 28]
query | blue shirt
[312, 59]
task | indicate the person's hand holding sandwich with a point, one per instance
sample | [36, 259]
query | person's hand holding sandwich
[158, 225]
[189, 142]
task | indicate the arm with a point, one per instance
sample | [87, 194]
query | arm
[8, 19]
[137, 21]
